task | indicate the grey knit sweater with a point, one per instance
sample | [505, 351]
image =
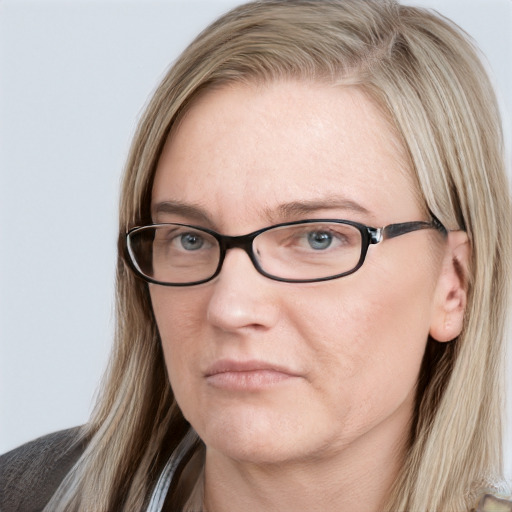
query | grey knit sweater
[30, 474]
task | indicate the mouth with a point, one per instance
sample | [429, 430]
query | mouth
[247, 375]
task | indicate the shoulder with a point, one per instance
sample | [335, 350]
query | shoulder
[30, 474]
[490, 503]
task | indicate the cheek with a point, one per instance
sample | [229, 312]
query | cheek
[369, 335]
[179, 317]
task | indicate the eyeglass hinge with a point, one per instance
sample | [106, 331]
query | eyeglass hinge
[376, 235]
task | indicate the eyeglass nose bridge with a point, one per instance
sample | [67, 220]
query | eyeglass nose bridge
[244, 242]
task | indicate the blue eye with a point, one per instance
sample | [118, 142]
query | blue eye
[319, 240]
[191, 241]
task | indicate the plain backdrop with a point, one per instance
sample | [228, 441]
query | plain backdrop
[74, 76]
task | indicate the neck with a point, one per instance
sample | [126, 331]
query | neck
[359, 477]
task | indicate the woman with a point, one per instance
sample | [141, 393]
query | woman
[314, 260]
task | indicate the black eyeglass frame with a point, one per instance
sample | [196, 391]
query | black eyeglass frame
[369, 236]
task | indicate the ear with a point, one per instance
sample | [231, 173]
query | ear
[450, 296]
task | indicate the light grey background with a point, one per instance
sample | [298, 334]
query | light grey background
[74, 76]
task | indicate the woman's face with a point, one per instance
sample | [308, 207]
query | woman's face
[267, 371]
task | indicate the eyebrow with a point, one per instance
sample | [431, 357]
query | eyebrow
[281, 213]
[301, 208]
[190, 211]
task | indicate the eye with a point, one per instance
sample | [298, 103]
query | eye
[191, 241]
[319, 240]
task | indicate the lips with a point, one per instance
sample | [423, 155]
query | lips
[228, 365]
[247, 375]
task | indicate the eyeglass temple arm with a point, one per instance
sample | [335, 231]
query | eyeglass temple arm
[394, 230]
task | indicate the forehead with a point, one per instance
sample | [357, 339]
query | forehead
[249, 149]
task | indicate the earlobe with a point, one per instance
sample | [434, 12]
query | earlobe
[452, 288]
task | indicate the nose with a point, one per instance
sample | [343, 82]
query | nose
[242, 298]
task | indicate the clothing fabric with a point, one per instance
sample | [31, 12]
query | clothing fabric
[156, 503]
[30, 474]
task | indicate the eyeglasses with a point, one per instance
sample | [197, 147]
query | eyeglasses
[294, 252]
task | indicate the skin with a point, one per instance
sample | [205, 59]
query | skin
[327, 431]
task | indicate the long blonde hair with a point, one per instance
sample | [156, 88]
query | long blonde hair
[427, 79]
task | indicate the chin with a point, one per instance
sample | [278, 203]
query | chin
[258, 437]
